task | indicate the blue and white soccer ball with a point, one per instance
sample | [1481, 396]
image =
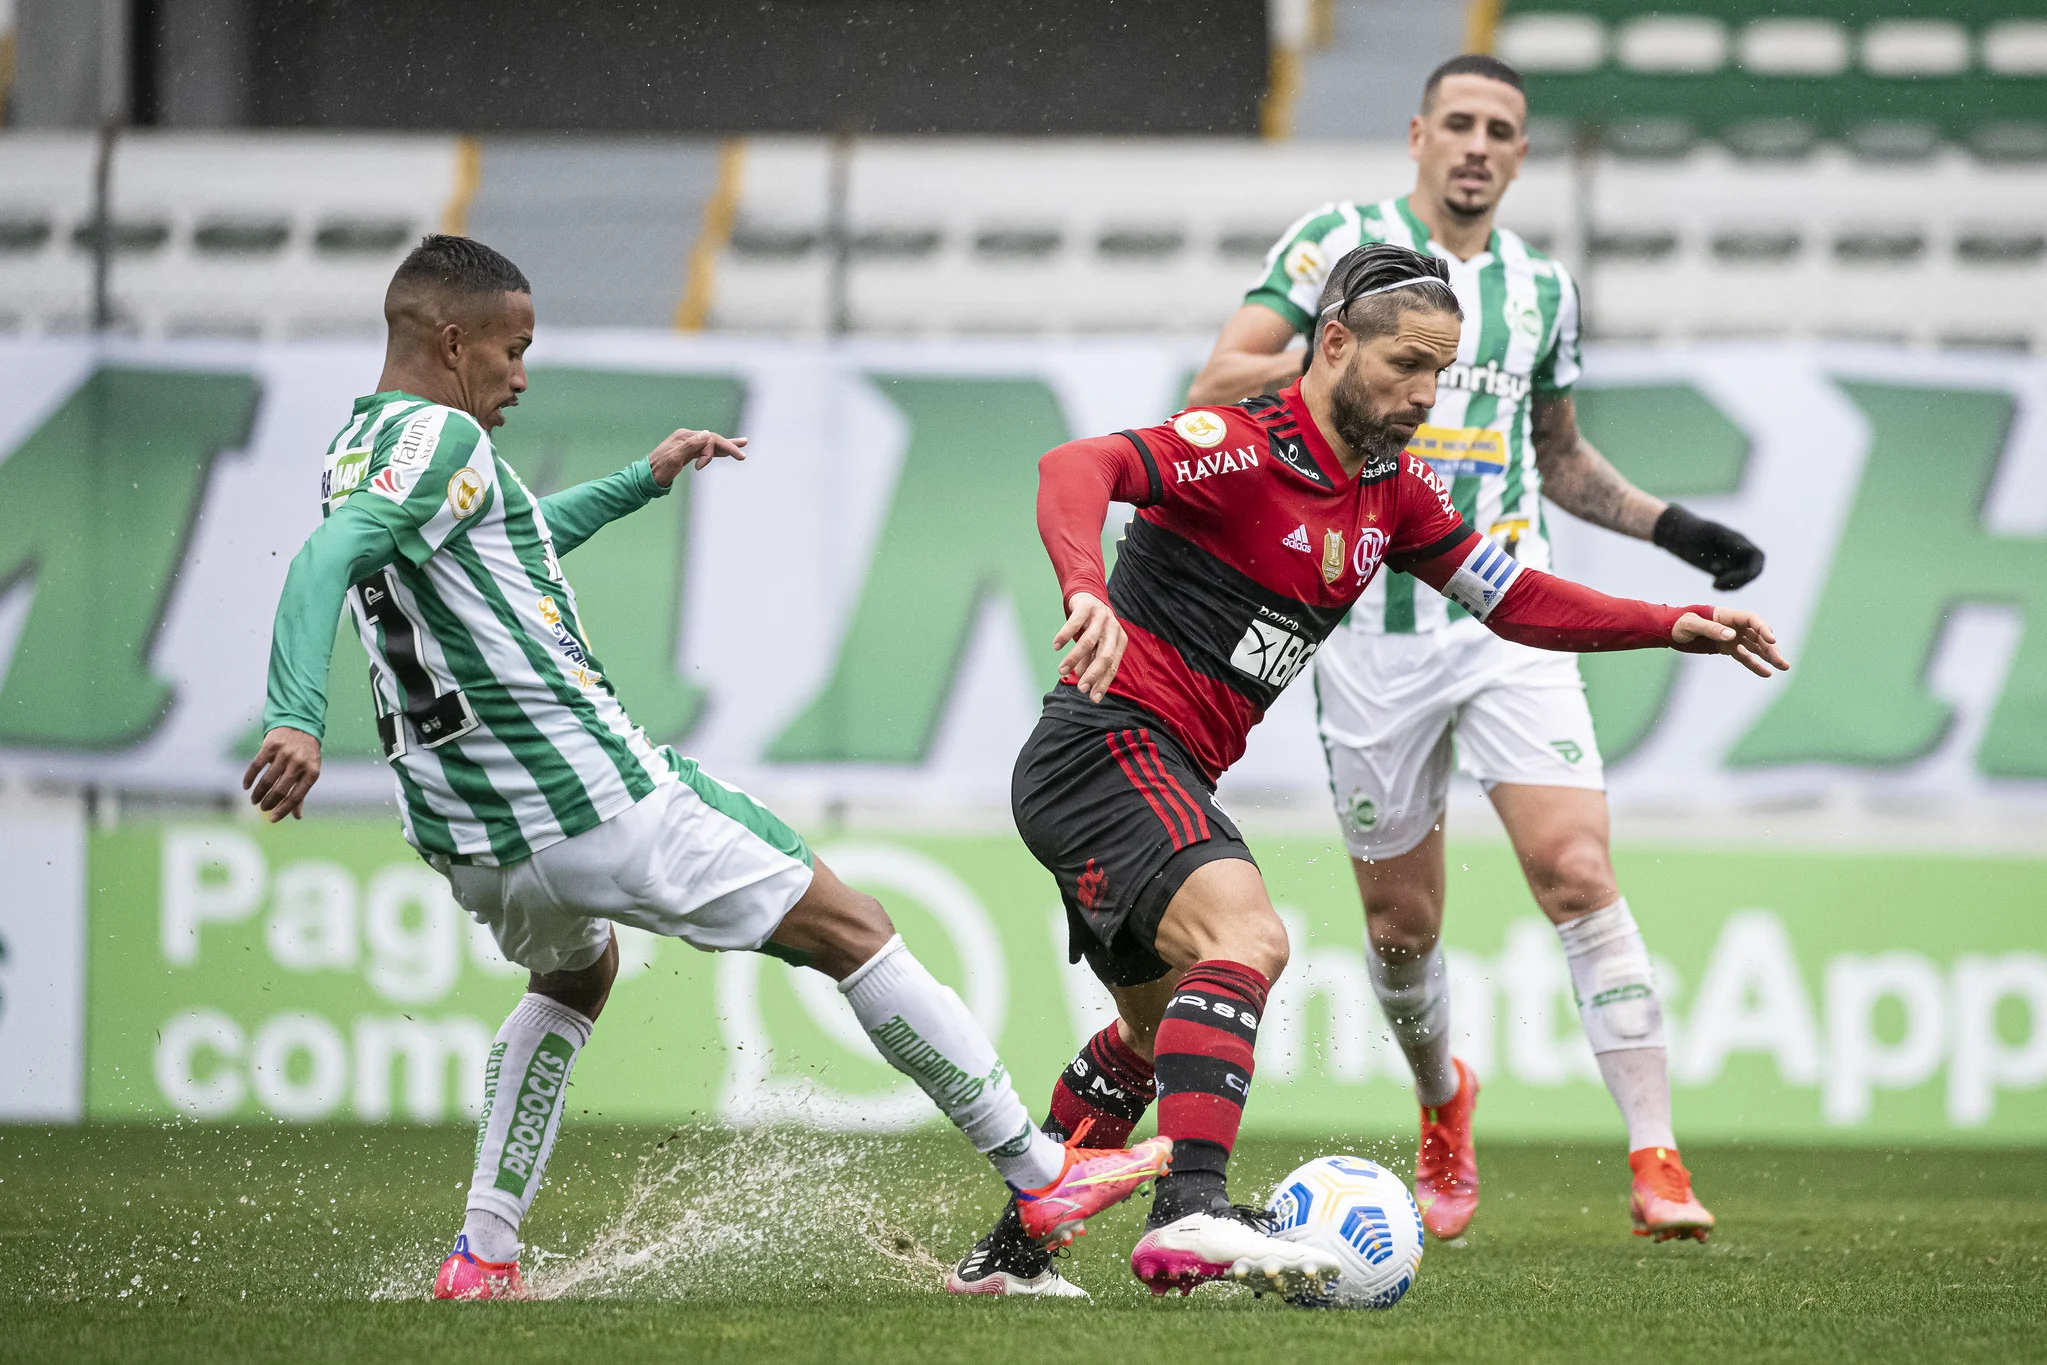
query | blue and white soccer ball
[1360, 1213]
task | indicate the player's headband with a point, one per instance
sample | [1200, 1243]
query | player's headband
[1343, 305]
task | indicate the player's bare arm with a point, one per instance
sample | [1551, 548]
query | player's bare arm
[1254, 354]
[1580, 480]
[1577, 478]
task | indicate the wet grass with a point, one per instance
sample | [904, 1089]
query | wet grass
[266, 1243]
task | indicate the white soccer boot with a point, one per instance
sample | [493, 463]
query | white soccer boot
[1228, 1242]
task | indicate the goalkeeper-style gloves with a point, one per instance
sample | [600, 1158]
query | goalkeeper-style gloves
[1731, 557]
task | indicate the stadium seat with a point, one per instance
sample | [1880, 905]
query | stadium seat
[270, 235]
[290, 235]
[1774, 78]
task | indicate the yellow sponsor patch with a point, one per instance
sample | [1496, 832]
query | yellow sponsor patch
[1460, 450]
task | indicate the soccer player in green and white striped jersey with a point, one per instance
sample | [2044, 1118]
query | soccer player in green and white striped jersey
[1409, 668]
[524, 782]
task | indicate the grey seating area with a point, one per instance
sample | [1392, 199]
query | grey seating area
[292, 235]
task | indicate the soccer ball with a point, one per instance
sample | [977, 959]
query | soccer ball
[1360, 1213]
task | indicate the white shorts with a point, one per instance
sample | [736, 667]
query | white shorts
[1390, 704]
[695, 860]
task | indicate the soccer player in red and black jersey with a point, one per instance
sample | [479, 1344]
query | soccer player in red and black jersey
[1259, 525]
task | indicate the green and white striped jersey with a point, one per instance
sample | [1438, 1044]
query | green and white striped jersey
[1520, 345]
[501, 727]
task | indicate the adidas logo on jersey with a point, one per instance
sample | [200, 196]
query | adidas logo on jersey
[1297, 539]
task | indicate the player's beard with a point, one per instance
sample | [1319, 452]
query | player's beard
[1366, 433]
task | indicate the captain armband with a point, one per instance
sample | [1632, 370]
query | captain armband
[1482, 579]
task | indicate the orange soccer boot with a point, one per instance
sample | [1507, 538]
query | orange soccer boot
[1663, 1205]
[465, 1275]
[1053, 1215]
[1446, 1167]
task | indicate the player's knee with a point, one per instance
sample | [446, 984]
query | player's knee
[1263, 946]
[845, 932]
[1572, 877]
[583, 989]
[1403, 921]
[1398, 941]
[1139, 1035]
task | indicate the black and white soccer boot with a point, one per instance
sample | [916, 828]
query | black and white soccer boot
[1007, 1261]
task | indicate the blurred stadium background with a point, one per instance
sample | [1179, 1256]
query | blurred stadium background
[907, 245]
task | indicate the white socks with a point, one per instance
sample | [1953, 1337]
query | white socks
[523, 1087]
[922, 1029]
[1623, 1017]
[1414, 993]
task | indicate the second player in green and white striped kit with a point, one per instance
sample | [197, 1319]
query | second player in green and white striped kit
[1519, 345]
[1411, 685]
[522, 779]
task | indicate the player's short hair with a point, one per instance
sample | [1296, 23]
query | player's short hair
[1470, 64]
[460, 265]
[1371, 286]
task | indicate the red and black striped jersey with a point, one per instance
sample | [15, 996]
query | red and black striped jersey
[1250, 544]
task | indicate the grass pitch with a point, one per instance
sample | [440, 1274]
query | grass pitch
[206, 1244]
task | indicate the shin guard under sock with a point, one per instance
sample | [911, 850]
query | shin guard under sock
[1107, 1087]
[524, 1086]
[1203, 1060]
[922, 1029]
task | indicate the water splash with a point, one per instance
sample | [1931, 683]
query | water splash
[713, 1211]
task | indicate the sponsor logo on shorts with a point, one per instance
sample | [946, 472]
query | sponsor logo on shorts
[1090, 887]
[1568, 749]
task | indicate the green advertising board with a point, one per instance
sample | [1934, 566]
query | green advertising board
[320, 972]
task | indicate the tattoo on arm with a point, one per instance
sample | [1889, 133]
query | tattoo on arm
[1577, 478]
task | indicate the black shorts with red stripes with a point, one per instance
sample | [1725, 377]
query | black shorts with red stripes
[1107, 800]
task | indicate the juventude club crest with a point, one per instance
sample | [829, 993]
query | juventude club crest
[1360, 811]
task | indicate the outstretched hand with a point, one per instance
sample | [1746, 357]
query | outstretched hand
[1743, 634]
[284, 770]
[1098, 642]
[692, 447]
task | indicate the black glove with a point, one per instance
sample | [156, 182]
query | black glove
[1731, 557]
